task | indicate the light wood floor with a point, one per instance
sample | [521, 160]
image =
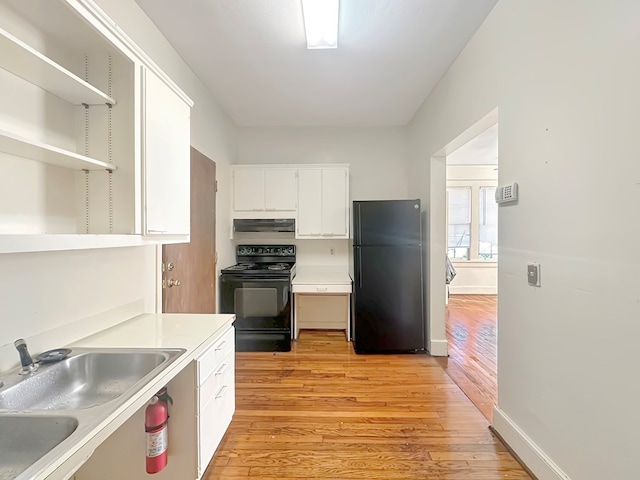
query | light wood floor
[472, 362]
[323, 412]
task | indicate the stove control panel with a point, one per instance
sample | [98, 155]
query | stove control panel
[270, 250]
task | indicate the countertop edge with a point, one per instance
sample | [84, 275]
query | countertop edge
[76, 456]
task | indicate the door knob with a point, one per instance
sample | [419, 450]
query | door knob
[174, 283]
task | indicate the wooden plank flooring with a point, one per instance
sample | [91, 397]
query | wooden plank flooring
[472, 362]
[322, 412]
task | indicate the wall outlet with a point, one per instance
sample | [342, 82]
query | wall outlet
[533, 274]
[332, 251]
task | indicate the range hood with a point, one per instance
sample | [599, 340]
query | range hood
[264, 225]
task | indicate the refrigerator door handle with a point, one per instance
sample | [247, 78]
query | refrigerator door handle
[359, 225]
[360, 267]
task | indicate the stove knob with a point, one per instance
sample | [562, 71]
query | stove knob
[288, 251]
[243, 251]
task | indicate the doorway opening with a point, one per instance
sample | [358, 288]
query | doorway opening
[469, 167]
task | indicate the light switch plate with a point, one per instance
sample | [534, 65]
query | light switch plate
[533, 274]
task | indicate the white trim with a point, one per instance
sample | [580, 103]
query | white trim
[475, 263]
[438, 348]
[22, 243]
[114, 30]
[526, 449]
[473, 290]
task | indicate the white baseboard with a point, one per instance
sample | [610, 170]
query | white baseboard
[438, 348]
[472, 290]
[528, 452]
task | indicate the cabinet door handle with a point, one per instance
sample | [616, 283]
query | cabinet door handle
[221, 345]
[221, 392]
[156, 231]
[222, 369]
[321, 289]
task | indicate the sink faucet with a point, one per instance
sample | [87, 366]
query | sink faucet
[26, 361]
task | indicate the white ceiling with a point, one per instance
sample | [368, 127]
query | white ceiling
[482, 150]
[251, 54]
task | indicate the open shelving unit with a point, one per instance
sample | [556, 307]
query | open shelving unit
[122, 178]
[31, 65]
[42, 152]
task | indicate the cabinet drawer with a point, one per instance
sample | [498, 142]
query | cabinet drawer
[210, 360]
[223, 375]
[320, 289]
[214, 419]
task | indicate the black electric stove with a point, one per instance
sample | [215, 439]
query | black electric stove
[258, 290]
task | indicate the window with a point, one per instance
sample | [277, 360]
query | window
[459, 223]
[488, 224]
[472, 219]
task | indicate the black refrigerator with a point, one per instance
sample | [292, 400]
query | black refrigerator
[388, 313]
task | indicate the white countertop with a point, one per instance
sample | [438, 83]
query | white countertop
[321, 275]
[193, 332]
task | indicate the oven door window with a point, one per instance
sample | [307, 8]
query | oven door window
[256, 302]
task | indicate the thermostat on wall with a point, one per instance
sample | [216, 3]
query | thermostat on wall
[507, 193]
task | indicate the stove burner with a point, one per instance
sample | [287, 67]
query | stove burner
[278, 266]
[243, 266]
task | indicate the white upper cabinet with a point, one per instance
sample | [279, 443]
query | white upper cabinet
[335, 202]
[263, 191]
[77, 119]
[323, 203]
[248, 189]
[280, 190]
[165, 157]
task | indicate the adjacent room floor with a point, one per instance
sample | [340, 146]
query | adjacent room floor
[472, 362]
[323, 412]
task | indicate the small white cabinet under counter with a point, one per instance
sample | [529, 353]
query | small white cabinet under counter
[322, 297]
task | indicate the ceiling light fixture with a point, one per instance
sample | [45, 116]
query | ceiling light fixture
[321, 22]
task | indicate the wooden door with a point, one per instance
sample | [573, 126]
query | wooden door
[193, 264]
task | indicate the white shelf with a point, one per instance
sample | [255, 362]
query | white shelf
[59, 242]
[42, 152]
[26, 62]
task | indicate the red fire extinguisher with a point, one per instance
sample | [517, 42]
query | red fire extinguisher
[155, 424]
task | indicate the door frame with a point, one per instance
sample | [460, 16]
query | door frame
[437, 244]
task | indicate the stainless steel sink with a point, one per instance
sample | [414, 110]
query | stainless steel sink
[26, 439]
[84, 380]
[48, 411]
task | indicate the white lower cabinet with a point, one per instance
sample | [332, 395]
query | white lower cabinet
[203, 405]
[216, 396]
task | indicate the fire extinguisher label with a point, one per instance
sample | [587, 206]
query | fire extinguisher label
[157, 442]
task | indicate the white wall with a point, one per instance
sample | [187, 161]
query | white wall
[377, 156]
[564, 76]
[46, 291]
